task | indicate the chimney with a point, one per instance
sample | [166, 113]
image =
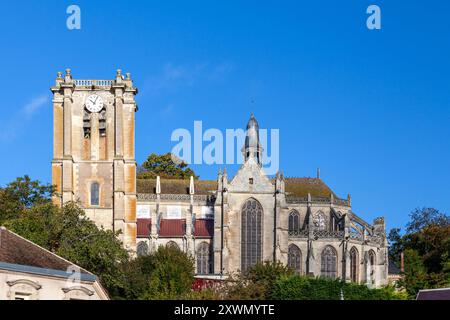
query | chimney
[318, 173]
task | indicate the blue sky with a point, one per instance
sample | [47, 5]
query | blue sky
[370, 108]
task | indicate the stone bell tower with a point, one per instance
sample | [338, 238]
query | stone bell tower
[94, 150]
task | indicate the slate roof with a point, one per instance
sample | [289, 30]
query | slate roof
[17, 250]
[393, 269]
[299, 187]
[434, 294]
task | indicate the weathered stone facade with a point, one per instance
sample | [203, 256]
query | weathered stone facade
[96, 149]
[299, 221]
[228, 224]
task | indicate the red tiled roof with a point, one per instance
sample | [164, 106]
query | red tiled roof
[143, 227]
[172, 227]
[204, 228]
[17, 250]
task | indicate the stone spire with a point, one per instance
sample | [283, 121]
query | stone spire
[191, 186]
[252, 147]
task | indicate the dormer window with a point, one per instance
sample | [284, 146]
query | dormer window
[95, 194]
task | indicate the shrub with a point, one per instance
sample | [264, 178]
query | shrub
[307, 288]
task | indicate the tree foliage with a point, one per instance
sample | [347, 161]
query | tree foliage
[165, 167]
[308, 288]
[70, 234]
[26, 208]
[426, 217]
[267, 274]
[426, 249]
[20, 195]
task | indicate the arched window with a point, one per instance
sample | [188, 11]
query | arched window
[329, 262]
[95, 194]
[354, 264]
[203, 258]
[295, 258]
[142, 249]
[172, 244]
[320, 221]
[294, 222]
[251, 240]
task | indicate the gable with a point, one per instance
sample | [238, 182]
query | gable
[250, 170]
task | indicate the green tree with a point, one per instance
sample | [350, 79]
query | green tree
[171, 273]
[167, 273]
[70, 234]
[421, 218]
[267, 274]
[426, 248]
[308, 288]
[165, 167]
[20, 195]
[396, 245]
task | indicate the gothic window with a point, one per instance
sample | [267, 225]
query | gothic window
[142, 249]
[354, 264]
[95, 194]
[251, 240]
[295, 258]
[172, 244]
[203, 258]
[294, 222]
[86, 124]
[320, 221]
[329, 262]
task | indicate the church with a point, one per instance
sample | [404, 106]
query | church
[228, 224]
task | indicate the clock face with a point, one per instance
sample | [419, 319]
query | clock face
[94, 103]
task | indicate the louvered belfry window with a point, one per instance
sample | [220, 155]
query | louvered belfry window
[251, 250]
[329, 262]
